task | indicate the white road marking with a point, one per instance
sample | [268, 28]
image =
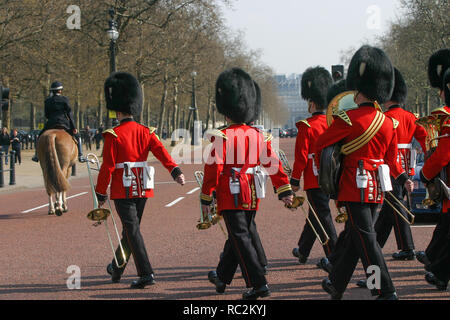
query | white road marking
[425, 226]
[174, 202]
[46, 205]
[193, 190]
[173, 182]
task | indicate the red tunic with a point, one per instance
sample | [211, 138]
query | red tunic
[236, 146]
[406, 130]
[382, 148]
[129, 142]
[305, 159]
[438, 160]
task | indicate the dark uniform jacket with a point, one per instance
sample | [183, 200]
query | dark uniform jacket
[58, 113]
[4, 139]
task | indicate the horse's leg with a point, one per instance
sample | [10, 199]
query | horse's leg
[64, 203]
[51, 205]
[59, 201]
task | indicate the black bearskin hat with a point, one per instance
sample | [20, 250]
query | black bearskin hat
[315, 84]
[336, 89]
[371, 73]
[123, 93]
[56, 86]
[438, 63]
[447, 87]
[238, 97]
[400, 89]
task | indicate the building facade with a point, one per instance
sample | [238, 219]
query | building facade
[289, 89]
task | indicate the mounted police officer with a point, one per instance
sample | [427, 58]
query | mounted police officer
[59, 115]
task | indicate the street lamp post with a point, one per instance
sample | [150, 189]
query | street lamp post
[194, 109]
[113, 35]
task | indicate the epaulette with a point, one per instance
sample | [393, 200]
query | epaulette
[215, 133]
[223, 127]
[268, 137]
[111, 131]
[416, 115]
[396, 123]
[343, 115]
[152, 129]
[440, 111]
[305, 122]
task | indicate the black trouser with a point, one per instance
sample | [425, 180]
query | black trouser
[130, 212]
[440, 242]
[259, 248]
[360, 243]
[388, 218]
[17, 156]
[321, 204]
[333, 257]
[240, 249]
[440, 265]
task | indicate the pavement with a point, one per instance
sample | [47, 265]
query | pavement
[41, 255]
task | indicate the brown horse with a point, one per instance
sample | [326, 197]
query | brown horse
[57, 153]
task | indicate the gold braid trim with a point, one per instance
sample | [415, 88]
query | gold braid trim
[362, 140]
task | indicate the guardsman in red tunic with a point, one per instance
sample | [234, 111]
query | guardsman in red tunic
[234, 170]
[315, 84]
[370, 150]
[436, 257]
[407, 129]
[439, 265]
[125, 154]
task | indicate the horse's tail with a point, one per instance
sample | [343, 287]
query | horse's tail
[57, 182]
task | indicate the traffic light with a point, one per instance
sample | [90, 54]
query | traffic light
[5, 98]
[337, 72]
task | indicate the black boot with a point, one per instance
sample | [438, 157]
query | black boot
[330, 289]
[422, 258]
[362, 284]
[81, 158]
[142, 282]
[433, 280]
[388, 296]
[404, 255]
[214, 279]
[256, 293]
[325, 265]
[301, 258]
[35, 157]
[115, 273]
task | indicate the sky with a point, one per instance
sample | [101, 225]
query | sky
[293, 35]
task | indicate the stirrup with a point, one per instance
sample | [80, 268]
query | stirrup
[82, 159]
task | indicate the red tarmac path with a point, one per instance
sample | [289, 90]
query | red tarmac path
[36, 249]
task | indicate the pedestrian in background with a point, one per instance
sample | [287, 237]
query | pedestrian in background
[4, 143]
[16, 146]
[98, 138]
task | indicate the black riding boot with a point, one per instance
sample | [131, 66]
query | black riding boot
[35, 157]
[80, 151]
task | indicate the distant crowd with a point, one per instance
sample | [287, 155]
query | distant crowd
[17, 140]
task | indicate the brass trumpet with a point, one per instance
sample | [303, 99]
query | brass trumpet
[299, 200]
[213, 218]
[435, 189]
[342, 217]
[401, 205]
[100, 215]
